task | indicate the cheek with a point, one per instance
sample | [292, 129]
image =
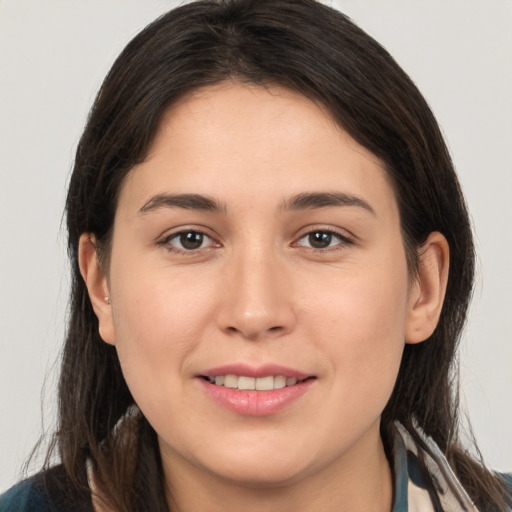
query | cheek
[159, 320]
[159, 304]
[360, 324]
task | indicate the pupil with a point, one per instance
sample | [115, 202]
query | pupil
[320, 239]
[191, 240]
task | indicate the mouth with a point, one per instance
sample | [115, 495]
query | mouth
[247, 383]
[255, 390]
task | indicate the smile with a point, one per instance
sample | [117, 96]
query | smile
[250, 390]
[245, 383]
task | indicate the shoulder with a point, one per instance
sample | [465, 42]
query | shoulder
[48, 491]
[25, 496]
[507, 478]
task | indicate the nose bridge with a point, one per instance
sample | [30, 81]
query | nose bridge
[256, 302]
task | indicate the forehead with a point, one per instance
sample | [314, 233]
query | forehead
[229, 107]
[245, 138]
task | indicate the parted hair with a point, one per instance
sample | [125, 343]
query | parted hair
[319, 52]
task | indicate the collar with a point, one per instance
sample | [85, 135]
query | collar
[424, 481]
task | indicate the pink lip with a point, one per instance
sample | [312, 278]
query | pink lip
[255, 403]
[255, 371]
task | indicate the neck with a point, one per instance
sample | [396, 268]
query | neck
[360, 480]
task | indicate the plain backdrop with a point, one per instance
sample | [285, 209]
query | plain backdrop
[53, 56]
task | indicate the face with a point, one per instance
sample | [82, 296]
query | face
[258, 246]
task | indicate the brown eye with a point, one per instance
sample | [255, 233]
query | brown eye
[188, 241]
[323, 239]
[320, 239]
[191, 240]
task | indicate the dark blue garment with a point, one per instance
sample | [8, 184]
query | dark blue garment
[44, 493]
[24, 497]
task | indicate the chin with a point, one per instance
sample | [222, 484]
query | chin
[267, 474]
[264, 465]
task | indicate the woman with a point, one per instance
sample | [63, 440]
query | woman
[272, 265]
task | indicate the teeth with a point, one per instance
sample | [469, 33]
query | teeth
[265, 383]
[231, 381]
[250, 383]
[246, 383]
[279, 382]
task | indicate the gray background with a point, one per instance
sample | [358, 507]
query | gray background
[53, 56]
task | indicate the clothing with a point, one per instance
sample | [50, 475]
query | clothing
[42, 493]
[433, 488]
[430, 486]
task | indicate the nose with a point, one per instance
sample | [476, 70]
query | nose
[257, 298]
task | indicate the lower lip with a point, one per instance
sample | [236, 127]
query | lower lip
[256, 403]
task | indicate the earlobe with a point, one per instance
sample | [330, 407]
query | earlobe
[97, 286]
[427, 292]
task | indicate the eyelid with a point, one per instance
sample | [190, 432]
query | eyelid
[164, 239]
[344, 237]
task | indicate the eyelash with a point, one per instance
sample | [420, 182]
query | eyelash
[343, 240]
[166, 242]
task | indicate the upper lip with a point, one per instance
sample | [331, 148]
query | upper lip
[243, 369]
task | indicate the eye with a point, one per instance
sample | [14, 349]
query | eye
[187, 241]
[322, 239]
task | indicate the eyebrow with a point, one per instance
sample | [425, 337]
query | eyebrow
[315, 200]
[303, 201]
[186, 201]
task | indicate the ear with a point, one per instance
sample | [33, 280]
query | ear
[428, 290]
[97, 285]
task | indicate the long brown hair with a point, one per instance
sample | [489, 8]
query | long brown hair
[319, 52]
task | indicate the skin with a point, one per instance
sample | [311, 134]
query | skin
[257, 292]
